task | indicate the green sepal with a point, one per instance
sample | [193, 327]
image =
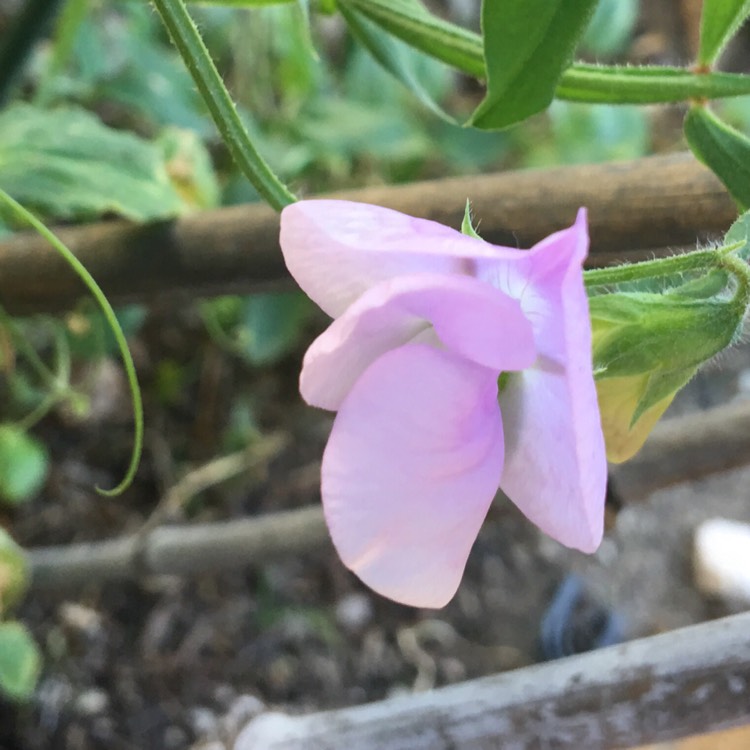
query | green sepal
[467, 227]
[527, 46]
[720, 19]
[704, 287]
[722, 149]
[639, 332]
[653, 329]
[661, 385]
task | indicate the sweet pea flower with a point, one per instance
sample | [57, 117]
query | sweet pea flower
[427, 321]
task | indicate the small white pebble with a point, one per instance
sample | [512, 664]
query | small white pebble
[203, 721]
[79, 617]
[354, 612]
[92, 702]
[721, 558]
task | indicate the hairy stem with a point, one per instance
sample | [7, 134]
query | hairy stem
[187, 39]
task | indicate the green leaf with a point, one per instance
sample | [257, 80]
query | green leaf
[527, 46]
[611, 27]
[260, 328]
[20, 661]
[411, 22]
[614, 84]
[189, 168]
[302, 13]
[243, 3]
[720, 19]
[722, 149]
[14, 572]
[69, 165]
[583, 134]
[23, 464]
[271, 324]
[390, 54]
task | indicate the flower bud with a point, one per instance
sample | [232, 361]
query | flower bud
[647, 345]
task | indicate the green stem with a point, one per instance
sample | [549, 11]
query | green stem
[186, 38]
[614, 84]
[40, 411]
[44, 373]
[135, 392]
[594, 84]
[648, 269]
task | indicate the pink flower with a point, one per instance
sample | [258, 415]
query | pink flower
[426, 320]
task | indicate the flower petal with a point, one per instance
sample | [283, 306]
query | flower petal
[536, 278]
[336, 250]
[410, 470]
[556, 470]
[470, 318]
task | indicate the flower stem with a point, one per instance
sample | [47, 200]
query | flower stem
[694, 261]
[581, 82]
[135, 392]
[187, 39]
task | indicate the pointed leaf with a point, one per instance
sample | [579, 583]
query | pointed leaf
[411, 22]
[467, 227]
[720, 20]
[391, 54]
[527, 46]
[722, 149]
[661, 385]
